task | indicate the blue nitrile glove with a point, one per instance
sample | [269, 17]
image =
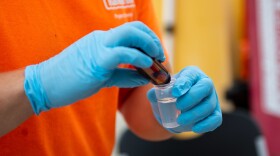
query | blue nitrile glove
[90, 64]
[197, 100]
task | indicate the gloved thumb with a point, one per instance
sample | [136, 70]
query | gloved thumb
[126, 78]
[153, 100]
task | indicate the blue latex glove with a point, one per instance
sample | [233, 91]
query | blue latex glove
[197, 100]
[91, 63]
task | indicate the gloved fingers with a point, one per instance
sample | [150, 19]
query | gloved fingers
[125, 55]
[199, 112]
[151, 94]
[210, 123]
[128, 36]
[141, 26]
[185, 79]
[126, 78]
[202, 89]
[193, 71]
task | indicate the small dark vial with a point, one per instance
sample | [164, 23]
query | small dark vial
[157, 73]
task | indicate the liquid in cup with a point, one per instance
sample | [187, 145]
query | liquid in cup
[167, 105]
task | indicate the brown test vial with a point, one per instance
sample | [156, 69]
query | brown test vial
[157, 73]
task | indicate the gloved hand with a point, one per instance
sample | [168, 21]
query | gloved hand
[197, 100]
[90, 64]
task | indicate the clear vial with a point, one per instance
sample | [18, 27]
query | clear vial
[167, 105]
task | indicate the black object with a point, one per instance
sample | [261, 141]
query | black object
[235, 137]
[238, 94]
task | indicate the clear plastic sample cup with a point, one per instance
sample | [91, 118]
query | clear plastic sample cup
[167, 105]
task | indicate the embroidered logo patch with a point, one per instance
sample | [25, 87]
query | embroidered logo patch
[118, 4]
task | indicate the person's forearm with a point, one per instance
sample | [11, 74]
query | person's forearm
[14, 105]
[139, 116]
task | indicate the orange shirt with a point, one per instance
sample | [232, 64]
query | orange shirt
[32, 31]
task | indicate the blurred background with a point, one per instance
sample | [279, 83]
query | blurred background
[236, 43]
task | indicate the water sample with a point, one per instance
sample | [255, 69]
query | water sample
[168, 112]
[167, 105]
